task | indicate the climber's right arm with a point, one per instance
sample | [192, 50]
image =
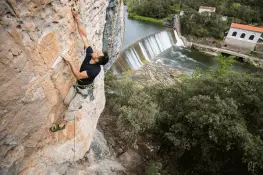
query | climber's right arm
[83, 34]
[81, 28]
[77, 74]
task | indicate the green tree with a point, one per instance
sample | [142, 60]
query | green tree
[153, 8]
[203, 25]
[153, 168]
[211, 123]
[136, 109]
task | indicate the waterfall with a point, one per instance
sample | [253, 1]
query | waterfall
[179, 42]
[145, 54]
[147, 49]
[133, 59]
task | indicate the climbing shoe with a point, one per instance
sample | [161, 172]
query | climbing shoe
[56, 128]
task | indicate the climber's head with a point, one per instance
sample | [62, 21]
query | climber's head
[100, 58]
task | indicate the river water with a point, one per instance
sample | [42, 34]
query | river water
[188, 60]
[135, 30]
[147, 42]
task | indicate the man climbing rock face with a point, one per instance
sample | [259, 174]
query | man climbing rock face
[85, 76]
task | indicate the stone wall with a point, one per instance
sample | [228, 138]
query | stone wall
[239, 46]
[35, 80]
[237, 43]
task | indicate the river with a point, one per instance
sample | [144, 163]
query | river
[189, 60]
[135, 30]
[144, 42]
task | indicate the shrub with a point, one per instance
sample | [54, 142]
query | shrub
[211, 123]
[135, 108]
[153, 168]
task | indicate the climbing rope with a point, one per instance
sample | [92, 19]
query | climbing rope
[74, 138]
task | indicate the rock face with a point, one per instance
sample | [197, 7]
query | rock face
[35, 80]
[113, 28]
[97, 161]
[153, 73]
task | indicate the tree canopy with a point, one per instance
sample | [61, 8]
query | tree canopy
[213, 25]
[153, 8]
[248, 11]
[202, 25]
[211, 123]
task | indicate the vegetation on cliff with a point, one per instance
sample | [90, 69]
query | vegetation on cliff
[211, 123]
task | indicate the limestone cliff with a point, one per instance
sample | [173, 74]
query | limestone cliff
[35, 80]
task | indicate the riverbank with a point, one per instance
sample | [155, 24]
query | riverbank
[147, 19]
[133, 15]
[137, 29]
[257, 62]
[212, 46]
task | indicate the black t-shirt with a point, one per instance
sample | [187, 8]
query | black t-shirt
[92, 69]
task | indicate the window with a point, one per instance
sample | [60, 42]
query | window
[252, 37]
[243, 35]
[234, 34]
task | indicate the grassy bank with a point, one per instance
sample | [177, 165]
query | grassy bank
[133, 15]
[146, 19]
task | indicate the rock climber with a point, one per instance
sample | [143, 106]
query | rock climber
[85, 76]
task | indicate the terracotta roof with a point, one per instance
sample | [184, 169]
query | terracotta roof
[246, 27]
[206, 7]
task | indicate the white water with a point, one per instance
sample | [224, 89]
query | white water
[183, 57]
[145, 54]
[133, 59]
[150, 47]
[179, 42]
[173, 63]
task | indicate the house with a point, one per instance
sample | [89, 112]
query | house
[207, 9]
[243, 38]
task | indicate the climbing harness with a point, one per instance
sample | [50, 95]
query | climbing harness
[84, 90]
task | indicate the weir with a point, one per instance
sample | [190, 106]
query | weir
[146, 49]
[166, 48]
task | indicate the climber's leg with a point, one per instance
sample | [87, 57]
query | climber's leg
[70, 95]
[74, 106]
